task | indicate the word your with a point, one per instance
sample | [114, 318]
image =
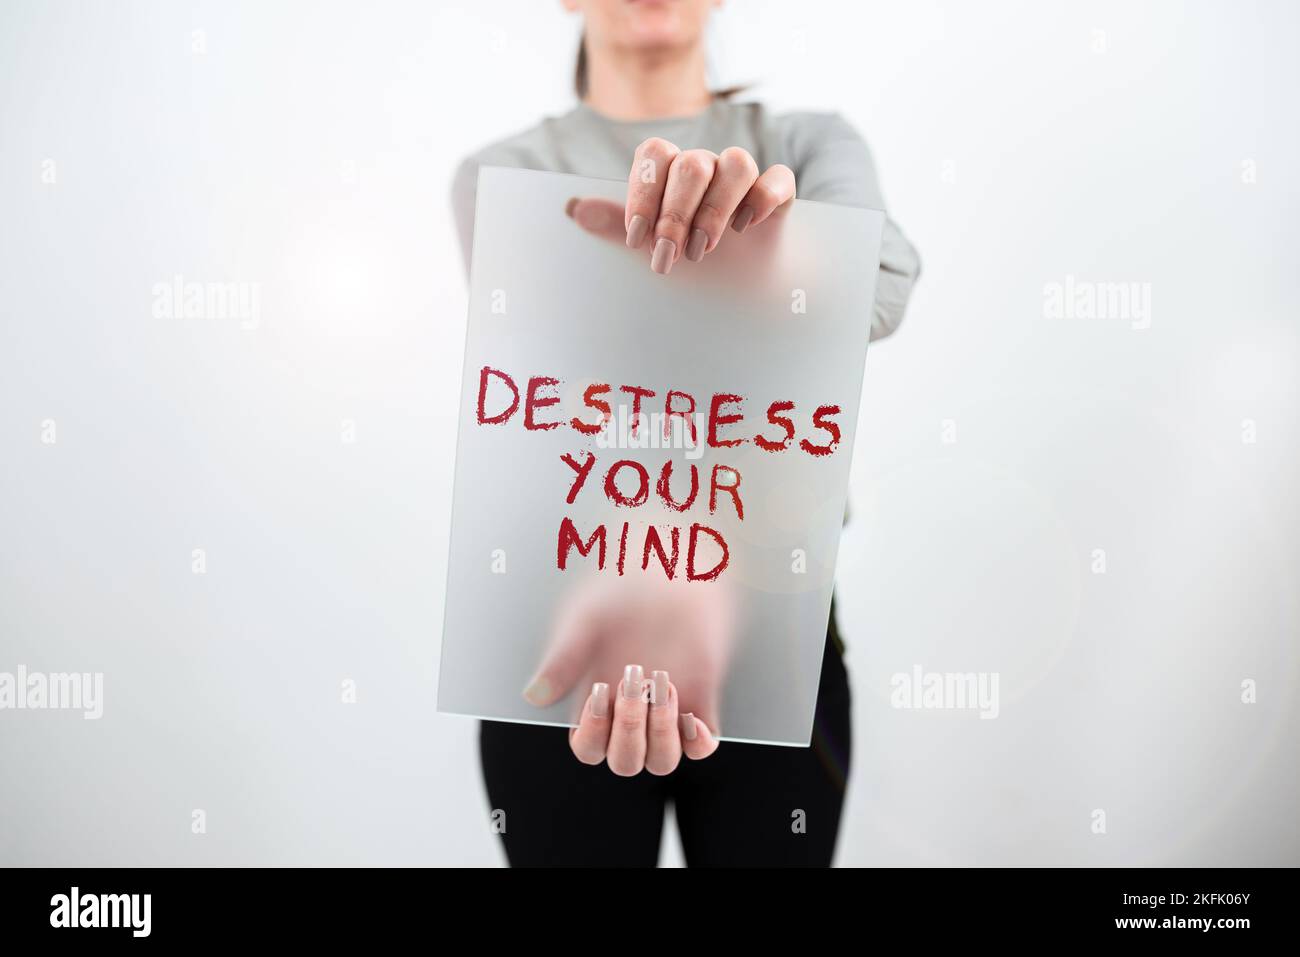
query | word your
[102, 910]
[37, 691]
[178, 299]
[945, 690]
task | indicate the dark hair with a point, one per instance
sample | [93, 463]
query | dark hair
[580, 69]
[580, 85]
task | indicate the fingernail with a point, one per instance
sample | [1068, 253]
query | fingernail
[687, 721]
[695, 245]
[636, 231]
[632, 676]
[599, 699]
[662, 260]
[569, 206]
[538, 692]
[659, 688]
[742, 219]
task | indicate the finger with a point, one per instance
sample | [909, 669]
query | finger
[601, 217]
[736, 173]
[706, 711]
[645, 187]
[568, 655]
[688, 177]
[772, 189]
[697, 740]
[626, 751]
[590, 739]
[663, 739]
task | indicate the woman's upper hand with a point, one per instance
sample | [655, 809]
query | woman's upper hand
[680, 202]
[637, 726]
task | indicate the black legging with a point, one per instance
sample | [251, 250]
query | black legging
[737, 808]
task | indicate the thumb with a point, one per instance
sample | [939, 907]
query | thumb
[600, 217]
[567, 658]
[710, 711]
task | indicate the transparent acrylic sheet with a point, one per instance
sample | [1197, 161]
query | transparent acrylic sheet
[780, 313]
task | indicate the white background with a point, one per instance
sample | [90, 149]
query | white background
[310, 147]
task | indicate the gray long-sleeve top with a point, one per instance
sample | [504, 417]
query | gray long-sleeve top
[831, 163]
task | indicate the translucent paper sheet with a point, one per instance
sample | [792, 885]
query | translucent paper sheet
[746, 370]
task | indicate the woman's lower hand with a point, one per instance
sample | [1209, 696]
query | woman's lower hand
[636, 726]
[680, 202]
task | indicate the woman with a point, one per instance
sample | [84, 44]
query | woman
[696, 163]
